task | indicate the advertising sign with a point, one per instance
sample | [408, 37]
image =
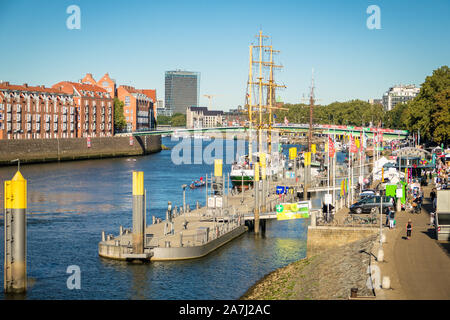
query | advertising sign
[211, 202]
[296, 210]
[280, 189]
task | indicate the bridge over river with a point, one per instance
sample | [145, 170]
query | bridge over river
[323, 129]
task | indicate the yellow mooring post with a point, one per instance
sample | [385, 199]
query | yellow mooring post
[138, 212]
[15, 271]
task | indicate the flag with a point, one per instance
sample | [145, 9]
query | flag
[331, 149]
[353, 148]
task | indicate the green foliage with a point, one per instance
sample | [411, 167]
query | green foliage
[119, 118]
[429, 112]
[164, 119]
[354, 112]
[176, 120]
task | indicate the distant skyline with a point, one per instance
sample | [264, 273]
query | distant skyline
[137, 41]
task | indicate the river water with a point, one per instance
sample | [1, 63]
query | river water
[70, 203]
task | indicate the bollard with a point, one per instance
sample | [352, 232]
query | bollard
[120, 230]
[15, 235]
[153, 220]
[354, 292]
[103, 236]
[313, 218]
[383, 238]
[197, 206]
[386, 282]
[380, 257]
[138, 212]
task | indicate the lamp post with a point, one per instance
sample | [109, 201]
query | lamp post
[242, 187]
[184, 197]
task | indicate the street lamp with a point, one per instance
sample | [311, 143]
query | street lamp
[184, 197]
[242, 187]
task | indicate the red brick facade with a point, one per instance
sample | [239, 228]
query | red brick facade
[35, 112]
[94, 109]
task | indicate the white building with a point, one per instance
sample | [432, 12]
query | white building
[399, 94]
[161, 110]
[201, 117]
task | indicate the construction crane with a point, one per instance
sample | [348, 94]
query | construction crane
[210, 96]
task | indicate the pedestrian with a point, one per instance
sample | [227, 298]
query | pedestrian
[391, 219]
[408, 229]
[433, 196]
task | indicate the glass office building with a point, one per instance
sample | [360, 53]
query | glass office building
[181, 90]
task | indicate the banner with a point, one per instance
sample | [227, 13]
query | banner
[296, 210]
[313, 148]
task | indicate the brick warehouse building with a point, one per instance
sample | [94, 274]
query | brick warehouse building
[94, 108]
[105, 82]
[138, 107]
[35, 112]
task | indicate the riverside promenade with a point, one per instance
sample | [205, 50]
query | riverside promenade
[419, 268]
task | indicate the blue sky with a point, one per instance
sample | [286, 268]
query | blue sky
[137, 41]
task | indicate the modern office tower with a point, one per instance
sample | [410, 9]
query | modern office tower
[181, 90]
[399, 93]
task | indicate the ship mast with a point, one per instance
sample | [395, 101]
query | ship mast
[269, 86]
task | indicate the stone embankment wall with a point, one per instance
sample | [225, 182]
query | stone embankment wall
[49, 150]
[330, 274]
[322, 238]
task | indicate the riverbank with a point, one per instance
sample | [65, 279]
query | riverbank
[328, 275]
[69, 149]
[418, 268]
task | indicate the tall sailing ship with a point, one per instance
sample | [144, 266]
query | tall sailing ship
[260, 102]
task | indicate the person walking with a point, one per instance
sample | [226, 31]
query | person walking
[408, 229]
[391, 218]
[433, 196]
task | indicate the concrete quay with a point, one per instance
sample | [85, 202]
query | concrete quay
[193, 234]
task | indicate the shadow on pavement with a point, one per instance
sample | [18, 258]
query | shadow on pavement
[445, 245]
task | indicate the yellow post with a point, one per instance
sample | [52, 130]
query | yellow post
[15, 271]
[292, 153]
[138, 212]
[256, 171]
[313, 148]
[307, 161]
[382, 174]
[218, 167]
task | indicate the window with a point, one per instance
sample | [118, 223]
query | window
[127, 100]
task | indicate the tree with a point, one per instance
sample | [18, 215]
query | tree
[178, 120]
[429, 111]
[119, 118]
[164, 119]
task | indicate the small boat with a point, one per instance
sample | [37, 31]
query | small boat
[197, 184]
